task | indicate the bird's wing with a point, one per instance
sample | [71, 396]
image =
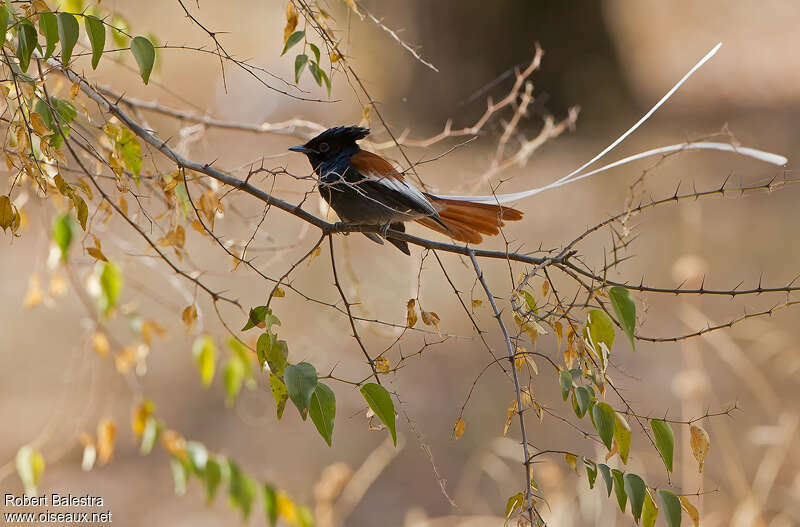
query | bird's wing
[377, 170]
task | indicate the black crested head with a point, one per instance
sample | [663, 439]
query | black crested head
[330, 143]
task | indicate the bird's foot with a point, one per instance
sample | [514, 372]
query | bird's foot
[384, 230]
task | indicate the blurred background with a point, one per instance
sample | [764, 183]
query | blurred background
[614, 59]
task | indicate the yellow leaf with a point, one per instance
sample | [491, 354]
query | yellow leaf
[571, 459]
[519, 358]
[174, 444]
[700, 443]
[382, 364]
[691, 510]
[291, 21]
[411, 313]
[198, 226]
[58, 285]
[74, 89]
[459, 427]
[510, 413]
[189, 316]
[139, 417]
[335, 56]
[34, 295]
[106, 432]
[477, 303]
[100, 343]
[279, 293]
[286, 508]
[123, 360]
[37, 121]
[6, 212]
[316, 252]
[429, 318]
[526, 397]
[123, 205]
[97, 254]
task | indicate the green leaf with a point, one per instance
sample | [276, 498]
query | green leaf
[48, 26]
[381, 403]
[531, 302]
[316, 72]
[665, 440]
[30, 466]
[3, 24]
[322, 410]
[62, 233]
[198, 456]
[325, 79]
[582, 399]
[279, 393]
[314, 50]
[671, 506]
[128, 145]
[68, 32]
[273, 352]
[591, 471]
[211, 478]
[242, 489]
[636, 490]
[110, 287]
[205, 354]
[271, 504]
[97, 38]
[26, 43]
[606, 472]
[600, 330]
[65, 113]
[145, 55]
[233, 374]
[649, 511]
[625, 308]
[565, 379]
[514, 503]
[619, 489]
[300, 62]
[622, 435]
[180, 475]
[604, 418]
[259, 315]
[293, 39]
[301, 380]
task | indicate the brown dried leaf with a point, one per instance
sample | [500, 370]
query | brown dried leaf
[175, 444]
[691, 510]
[411, 313]
[37, 121]
[545, 288]
[429, 318]
[700, 443]
[291, 21]
[382, 364]
[189, 316]
[74, 89]
[97, 254]
[6, 212]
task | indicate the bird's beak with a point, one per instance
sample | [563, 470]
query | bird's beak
[303, 149]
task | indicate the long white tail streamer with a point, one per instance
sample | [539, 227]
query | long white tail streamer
[766, 157]
[576, 175]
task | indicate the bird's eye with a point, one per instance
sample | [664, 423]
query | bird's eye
[324, 147]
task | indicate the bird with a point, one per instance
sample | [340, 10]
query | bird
[363, 188]
[366, 189]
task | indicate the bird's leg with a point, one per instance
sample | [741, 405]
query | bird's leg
[339, 225]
